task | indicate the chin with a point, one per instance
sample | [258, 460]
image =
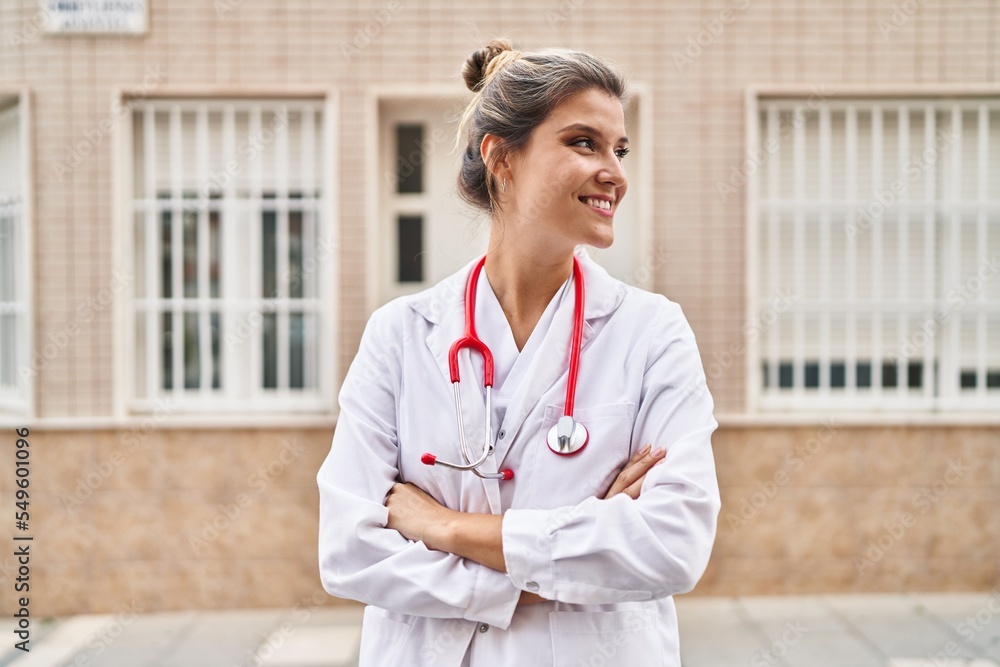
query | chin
[602, 240]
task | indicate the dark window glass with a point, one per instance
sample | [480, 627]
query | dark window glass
[409, 159]
[968, 379]
[166, 265]
[296, 351]
[785, 374]
[889, 378]
[838, 374]
[192, 352]
[915, 372]
[864, 375]
[812, 374]
[269, 250]
[216, 352]
[269, 334]
[167, 358]
[410, 233]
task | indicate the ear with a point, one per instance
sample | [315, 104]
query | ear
[491, 145]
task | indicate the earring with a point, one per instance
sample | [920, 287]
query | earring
[504, 186]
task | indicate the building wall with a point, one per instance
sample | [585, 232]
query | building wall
[130, 538]
[227, 518]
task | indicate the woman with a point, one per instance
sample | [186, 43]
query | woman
[574, 560]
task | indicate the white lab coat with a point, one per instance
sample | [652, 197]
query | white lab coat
[607, 567]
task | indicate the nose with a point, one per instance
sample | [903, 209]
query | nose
[613, 172]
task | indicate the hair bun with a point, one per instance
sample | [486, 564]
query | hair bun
[477, 67]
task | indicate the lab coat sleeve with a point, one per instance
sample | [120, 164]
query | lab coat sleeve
[620, 549]
[359, 557]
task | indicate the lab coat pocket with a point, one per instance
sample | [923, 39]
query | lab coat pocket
[383, 634]
[558, 481]
[605, 638]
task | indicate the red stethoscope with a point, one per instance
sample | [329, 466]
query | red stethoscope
[566, 437]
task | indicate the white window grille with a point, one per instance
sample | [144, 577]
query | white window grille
[875, 254]
[232, 256]
[15, 367]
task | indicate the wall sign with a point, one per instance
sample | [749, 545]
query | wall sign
[103, 17]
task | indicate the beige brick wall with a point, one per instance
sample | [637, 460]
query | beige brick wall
[172, 519]
[228, 518]
[131, 539]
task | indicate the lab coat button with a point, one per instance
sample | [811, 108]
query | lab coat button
[532, 586]
[483, 627]
[502, 434]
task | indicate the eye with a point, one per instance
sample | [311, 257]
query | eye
[621, 152]
[589, 142]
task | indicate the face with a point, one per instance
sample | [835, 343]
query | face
[565, 185]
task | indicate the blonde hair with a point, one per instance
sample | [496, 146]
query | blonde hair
[515, 92]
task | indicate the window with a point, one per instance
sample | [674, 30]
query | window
[15, 368]
[875, 253]
[232, 256]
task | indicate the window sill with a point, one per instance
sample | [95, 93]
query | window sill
[856, 418]
[153, 422]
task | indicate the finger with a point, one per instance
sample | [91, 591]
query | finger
[635, 471]
[633, 489]
[627, 476]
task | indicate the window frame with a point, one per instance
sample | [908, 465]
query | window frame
[945, 406]
[263, 407]
[21, 402]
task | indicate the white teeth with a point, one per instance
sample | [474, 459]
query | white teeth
[599, 203]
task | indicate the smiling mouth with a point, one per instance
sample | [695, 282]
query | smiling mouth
[601, 206]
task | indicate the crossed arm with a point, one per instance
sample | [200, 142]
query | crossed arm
[477, 537]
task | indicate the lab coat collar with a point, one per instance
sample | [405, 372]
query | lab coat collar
[445, 301]
[444, 306]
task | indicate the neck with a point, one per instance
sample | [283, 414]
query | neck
[524, 277]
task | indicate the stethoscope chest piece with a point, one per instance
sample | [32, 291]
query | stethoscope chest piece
[567, 436]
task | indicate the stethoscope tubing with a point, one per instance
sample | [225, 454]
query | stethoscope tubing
[471, 340]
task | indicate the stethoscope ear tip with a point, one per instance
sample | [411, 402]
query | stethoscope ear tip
[428, 459]
[508, 474]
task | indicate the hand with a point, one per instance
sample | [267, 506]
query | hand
[530, 598]
[629, 480]
[415, 514]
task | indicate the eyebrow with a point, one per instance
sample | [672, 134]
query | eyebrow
[586, 128]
